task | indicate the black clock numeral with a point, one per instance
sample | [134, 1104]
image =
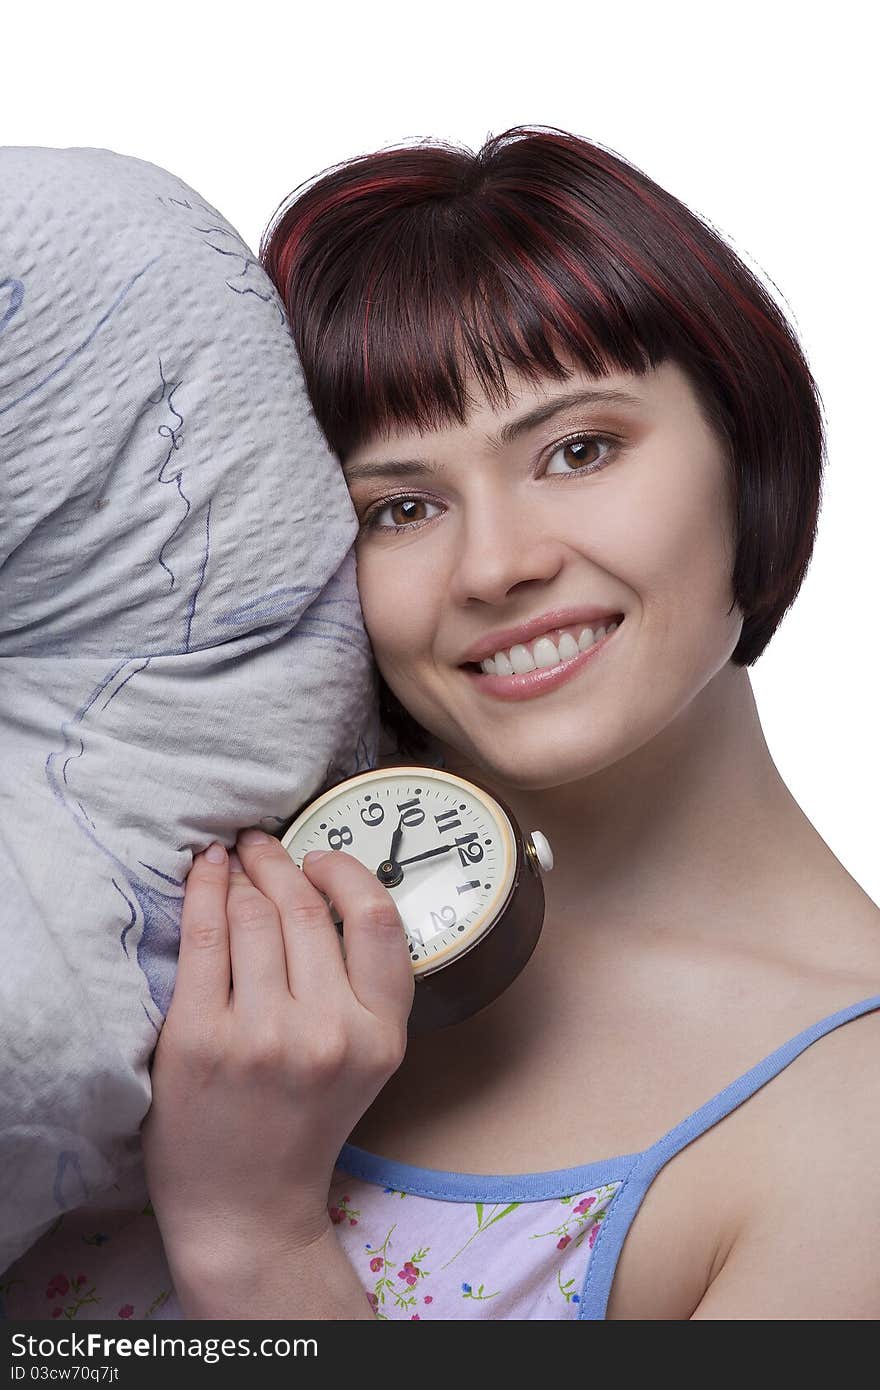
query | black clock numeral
[411, 812]
[466, 887]
[374, 814]
[468, 851]
[446, 917]
[337, 837]
[447, 820]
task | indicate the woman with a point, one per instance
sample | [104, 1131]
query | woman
[560, 402]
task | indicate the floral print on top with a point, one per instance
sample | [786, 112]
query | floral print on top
[104, 1263]
[523, 1246]
[419, 1257]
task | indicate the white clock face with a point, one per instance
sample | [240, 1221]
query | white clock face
[456, 852]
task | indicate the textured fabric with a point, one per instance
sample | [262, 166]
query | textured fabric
[182, 650]
[424, 1243]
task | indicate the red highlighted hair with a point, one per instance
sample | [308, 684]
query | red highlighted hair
[405, 269]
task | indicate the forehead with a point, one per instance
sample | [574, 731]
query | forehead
[498, 425]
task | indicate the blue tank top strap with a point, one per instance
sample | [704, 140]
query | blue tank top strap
[600, 1274]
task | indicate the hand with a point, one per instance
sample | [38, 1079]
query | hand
[273, 1048]
[395, 842]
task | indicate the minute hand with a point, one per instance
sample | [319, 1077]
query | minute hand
[429, 854]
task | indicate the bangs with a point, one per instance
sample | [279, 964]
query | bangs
[405, 278]
[473, 303]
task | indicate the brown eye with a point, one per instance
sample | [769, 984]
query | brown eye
[402, 511]
[583, 453]
[406, 510]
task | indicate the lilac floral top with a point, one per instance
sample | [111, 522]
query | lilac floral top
[482, 1249]
[424, 1243]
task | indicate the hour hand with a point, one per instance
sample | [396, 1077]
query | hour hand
[395, 842]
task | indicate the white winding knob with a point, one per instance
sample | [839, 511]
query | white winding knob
[543, 852]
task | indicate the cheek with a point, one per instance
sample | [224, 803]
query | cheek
[398, 626]
[673, 531]
[682, 546]
[665, 536]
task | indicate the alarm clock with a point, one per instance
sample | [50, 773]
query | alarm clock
[465, 879]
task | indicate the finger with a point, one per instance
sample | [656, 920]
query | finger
[256, 946]
[203, 969]
[312, 946]
[376, 945]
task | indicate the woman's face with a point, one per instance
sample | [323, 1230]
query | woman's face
[498, 532]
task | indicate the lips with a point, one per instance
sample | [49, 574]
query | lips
[505, 638]
[543, 680]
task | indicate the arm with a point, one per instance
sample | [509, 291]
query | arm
[809, 1248]
[317, 1282]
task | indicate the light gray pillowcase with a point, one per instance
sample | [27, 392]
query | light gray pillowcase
[182, 649]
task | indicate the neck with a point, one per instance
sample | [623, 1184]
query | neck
[686, 831]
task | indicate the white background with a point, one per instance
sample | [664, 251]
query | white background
[761, 117]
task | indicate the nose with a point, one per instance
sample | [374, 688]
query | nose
[503, 546]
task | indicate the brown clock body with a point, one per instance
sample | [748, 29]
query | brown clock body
[476, 977]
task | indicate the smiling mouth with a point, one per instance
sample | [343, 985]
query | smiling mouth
[563, 656]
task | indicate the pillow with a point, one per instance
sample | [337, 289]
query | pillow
[182, 649]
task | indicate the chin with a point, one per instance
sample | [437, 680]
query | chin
[526, 768]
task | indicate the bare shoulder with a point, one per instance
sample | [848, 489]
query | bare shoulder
[807, 1245]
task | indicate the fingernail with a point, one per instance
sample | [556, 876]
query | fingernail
[315, 854]
[253, 836]
[235, 863]
[215, 853]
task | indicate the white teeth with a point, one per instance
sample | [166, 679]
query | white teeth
[544, 652]
[521, 660]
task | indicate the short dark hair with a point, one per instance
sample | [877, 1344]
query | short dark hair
[399, 268]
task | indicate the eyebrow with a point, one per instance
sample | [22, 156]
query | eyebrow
[513, 430]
